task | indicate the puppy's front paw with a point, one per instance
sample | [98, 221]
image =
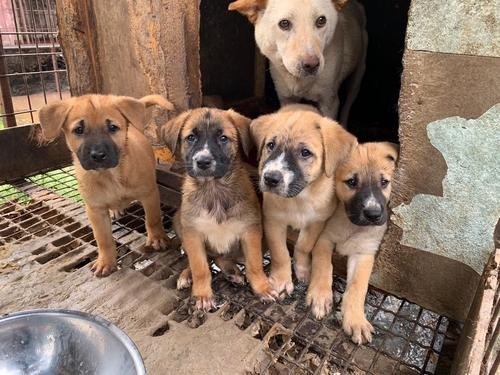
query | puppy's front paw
[281, 283]
[205, 303]
[116, 214]
[303, 274]
[158, 240]
[266, 291]
[103, 267]
[320, 300]
[185, 279]
[356, 326]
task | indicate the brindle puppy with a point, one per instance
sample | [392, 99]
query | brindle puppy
[363, 188]
[220, 215]
[114, 162]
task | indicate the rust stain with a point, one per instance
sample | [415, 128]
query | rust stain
[152, 39]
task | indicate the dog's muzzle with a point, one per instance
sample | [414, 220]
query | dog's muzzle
[272, 179]
[98, 156]
[310, 65]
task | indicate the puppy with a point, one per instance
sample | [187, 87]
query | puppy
[220, 215]
[312, 47]
[363, 188]
[298, 150]
[114, 162]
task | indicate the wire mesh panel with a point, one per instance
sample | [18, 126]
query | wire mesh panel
[46, 209]
[32, 67]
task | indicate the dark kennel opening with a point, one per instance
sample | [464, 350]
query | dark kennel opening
[233, 68]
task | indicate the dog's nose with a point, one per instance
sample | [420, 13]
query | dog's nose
[372, 215]
[272, 179]
[310, 64]
[204, 162]
[98, 156]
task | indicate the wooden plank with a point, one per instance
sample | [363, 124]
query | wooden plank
[475, 334]
[21, 153]
[78, 39]
[6, 98]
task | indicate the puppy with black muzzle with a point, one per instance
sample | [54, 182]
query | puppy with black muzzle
[220, 215]
[114, 162]
[299, 151]
[363, 189]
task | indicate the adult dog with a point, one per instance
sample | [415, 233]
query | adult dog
[299, 151]
[114, 162]
[220, 215]
[363, 188]
[312, 47]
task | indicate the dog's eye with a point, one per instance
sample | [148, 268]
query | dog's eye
[270, 146]
[78, 130]
[284, 25]
[223, 138]
[113, 128]
[351, 182]
[384, 183]
[191, 138]
[305, 153]
[321, 21]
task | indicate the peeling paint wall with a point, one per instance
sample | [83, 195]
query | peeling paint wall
[459, 225]
[467, 27]
[446, 189]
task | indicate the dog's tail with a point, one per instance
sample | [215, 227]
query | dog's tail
[158, 100]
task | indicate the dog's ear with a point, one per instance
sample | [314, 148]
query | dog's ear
[338, 144]
[392, 151]
[259, 128]
[133, 110]
[249, 8]
[339, 4]
[242, 124]
[172, 129]
[53, 116]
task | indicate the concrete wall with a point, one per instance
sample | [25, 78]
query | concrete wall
[446, 192]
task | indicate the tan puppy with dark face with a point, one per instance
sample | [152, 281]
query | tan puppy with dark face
[299, 151]
[114, 162]
[220, 214]
[363, 188]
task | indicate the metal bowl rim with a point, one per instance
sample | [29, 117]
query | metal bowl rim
[117, 332]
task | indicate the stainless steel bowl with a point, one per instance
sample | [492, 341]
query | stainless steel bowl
[64, 342]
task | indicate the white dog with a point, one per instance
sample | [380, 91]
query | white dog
[312, 46]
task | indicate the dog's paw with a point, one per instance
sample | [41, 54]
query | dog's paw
[281, 283]
[266, 292]
[184, 281]
[158, 241]
[320, 300]
[116, 214]
[205, 303]
[235, 276]
[102, 268]
[303, 274]
[356, 326]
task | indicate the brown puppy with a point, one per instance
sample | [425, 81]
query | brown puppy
[220, 215]
[298, 153]
[363, 188]
[114, 162]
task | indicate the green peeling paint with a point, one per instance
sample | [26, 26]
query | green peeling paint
[461, 223]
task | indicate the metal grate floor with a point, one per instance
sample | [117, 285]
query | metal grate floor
[46, 213]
